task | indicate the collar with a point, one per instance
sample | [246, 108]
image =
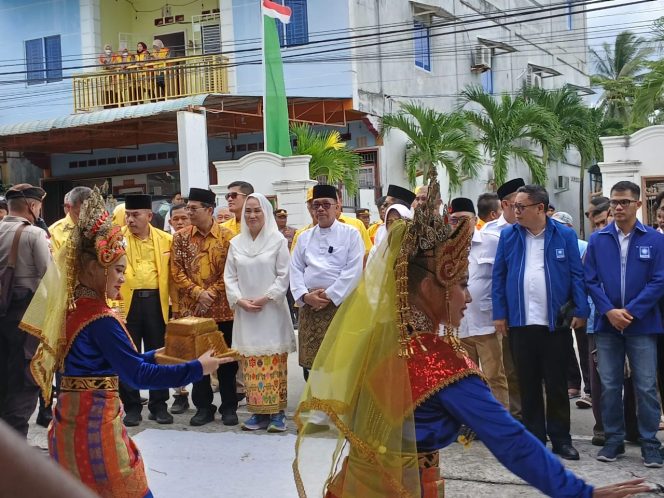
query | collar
[477, 237]
[149, 238]
[637, 226]
[16, 219]
[215, 231]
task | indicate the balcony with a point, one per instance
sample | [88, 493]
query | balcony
[150, 82]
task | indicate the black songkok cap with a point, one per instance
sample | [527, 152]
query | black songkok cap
[325, 192]
[202, 195]
[138, 201]
[510, 187]
[25, 193]
[462, 204]
[281, 212]
[362, 211]
[401, 193]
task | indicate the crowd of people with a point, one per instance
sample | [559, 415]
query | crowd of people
[533, 285]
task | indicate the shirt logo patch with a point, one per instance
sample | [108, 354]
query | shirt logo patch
[560, 253]
[644, 252]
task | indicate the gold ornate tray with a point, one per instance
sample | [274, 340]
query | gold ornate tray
[188, 338]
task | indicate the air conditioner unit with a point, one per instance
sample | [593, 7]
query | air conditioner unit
[534, 80]
[481, 59]
[562, 182]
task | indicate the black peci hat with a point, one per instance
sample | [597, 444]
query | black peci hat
[202, 195]
[462, 204]
[401, 193]
[510, 187]
[138, 201]
[325, 192]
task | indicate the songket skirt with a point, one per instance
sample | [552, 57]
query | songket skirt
[265, 381]
[88, 439]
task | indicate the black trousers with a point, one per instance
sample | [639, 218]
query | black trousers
[574, 375]
[202, 393]
[18, 390]
[541, 356]
[146, 326]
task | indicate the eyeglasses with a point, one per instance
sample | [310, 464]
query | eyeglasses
[323, 205]
[233, 195]
[521, 207]
[194, 208]
[621, 202]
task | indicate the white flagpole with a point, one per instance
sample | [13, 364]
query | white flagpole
[264, 78]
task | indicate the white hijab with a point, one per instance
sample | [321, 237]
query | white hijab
[268, 237]
[403, 211]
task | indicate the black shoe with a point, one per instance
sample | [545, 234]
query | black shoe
[203, 416]
[229, 417]
[132, 419]
[161, 416]
[566, 451]
[44, 416]
[180, 404]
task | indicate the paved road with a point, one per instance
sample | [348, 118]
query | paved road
[472, 472]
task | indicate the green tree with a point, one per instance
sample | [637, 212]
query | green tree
[330, 157]
[435, 138]
[618, 69]
[649, 101]
[579, 129]
[509, 127]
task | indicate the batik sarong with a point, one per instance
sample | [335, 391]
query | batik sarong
[311, 332]
[265, 381]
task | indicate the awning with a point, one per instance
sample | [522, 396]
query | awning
[157, 122]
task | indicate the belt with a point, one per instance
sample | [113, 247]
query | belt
[108, 383]
[146, 293]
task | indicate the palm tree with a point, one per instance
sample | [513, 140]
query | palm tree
[435, 138]
[330, 157]
[650, 95]
[579, 129]
[619, 68]
[506, 125]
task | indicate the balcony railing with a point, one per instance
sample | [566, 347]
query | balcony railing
[150, 81]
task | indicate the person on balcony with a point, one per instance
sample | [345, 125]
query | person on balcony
[109, 60]
[159, 52]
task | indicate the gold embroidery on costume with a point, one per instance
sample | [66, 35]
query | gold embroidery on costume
[109, 383]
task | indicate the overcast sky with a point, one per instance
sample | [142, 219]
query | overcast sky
[604, 25]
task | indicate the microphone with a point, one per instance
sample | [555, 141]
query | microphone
[330, 249]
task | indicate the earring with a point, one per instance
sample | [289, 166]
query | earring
[105, 285]
[451, 336]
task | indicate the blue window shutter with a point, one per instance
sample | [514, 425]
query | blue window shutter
[422, 47]
[569, 15]
[280, 32]
[34, 61]
[487, 81]
[297, 31]
[53, 53]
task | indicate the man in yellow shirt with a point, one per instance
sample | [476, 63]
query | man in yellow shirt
[145, 294]
[380, 204]
[237, 194]
[61, 229]
[364, 216]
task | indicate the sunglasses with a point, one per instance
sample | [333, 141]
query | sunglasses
[233, 195]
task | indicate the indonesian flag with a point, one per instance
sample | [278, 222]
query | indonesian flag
[277, 11]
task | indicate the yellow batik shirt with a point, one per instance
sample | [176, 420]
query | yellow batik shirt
[197, 265]
[60, 231]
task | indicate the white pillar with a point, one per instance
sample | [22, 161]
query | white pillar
[90, 12]
[193, 151]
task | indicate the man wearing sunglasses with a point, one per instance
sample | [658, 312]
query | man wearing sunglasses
[237, 194]
[624, 271]
[536, 274]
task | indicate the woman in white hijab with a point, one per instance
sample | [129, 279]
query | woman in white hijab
[393, 213]
[257, 278]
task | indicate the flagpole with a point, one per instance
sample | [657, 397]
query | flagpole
[264, 78]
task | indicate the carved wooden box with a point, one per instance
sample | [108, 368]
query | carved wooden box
[188, 338]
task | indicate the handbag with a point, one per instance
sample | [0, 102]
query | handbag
[7, 273]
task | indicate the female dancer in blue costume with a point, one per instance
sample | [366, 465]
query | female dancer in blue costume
[85, 340]
[397, 392]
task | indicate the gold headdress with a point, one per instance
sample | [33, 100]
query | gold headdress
[45, 317]
[444, 251]
[94, 227]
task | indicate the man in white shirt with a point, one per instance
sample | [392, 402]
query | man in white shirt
[506, 193]
[477, 333]
[326, 266]
[538, 288]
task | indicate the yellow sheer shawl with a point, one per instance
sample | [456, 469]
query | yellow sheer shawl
[361, 383]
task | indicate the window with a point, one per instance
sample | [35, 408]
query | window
[569, 15]
[43, 60]
[422, 48]
[487, 81]
[296, 32]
